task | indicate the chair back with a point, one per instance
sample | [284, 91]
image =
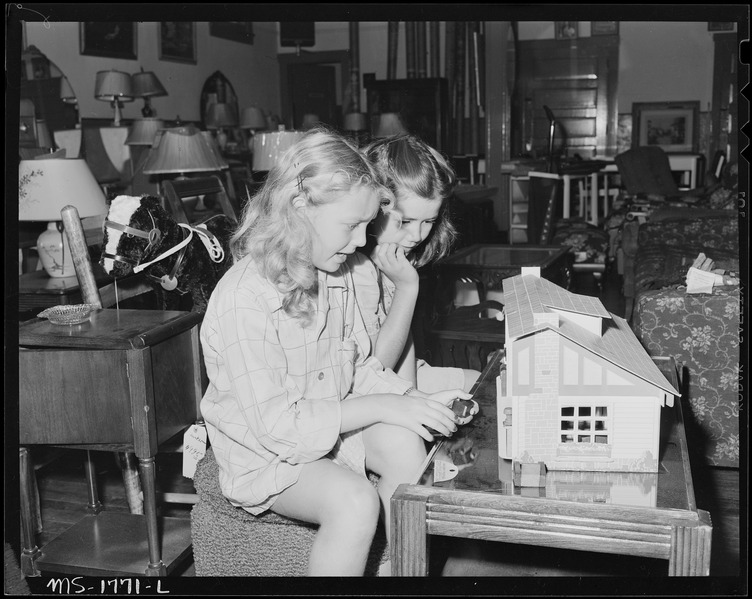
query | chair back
[178, 189]
[646, 170]
[543, 196]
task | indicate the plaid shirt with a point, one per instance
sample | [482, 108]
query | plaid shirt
[273, 400]
[374, 292]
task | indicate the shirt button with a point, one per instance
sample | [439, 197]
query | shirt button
[321, 376]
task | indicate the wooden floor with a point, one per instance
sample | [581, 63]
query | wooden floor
[63, 492]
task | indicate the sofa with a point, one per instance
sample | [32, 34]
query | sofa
[699, 330]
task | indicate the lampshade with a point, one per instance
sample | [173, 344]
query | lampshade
[252, 118]
[222, 115]
[146, 85]
[269, 147]
[310, 120]
[390, 124]
[181, 150]
[355, 121]
[113, 85]
[143, 132]
[67, 94]
[45, 187]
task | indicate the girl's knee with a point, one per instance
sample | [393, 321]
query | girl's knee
[357, 502]
[393, 448]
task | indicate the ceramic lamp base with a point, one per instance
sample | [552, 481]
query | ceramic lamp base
[54, 253]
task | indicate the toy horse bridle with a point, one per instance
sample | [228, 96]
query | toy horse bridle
[168, 282]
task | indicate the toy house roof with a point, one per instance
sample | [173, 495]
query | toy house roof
[528, 295]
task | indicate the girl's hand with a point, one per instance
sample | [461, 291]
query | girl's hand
[419, 414]
[391, 260]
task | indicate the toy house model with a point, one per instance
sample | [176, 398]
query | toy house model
[579, 391]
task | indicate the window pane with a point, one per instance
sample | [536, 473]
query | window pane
[569, 411]
[583, 425]
[601, 439]
[583, 439]
[584, 411]
[567, 439]
[567, 425]
[600, 425]
[601, 411]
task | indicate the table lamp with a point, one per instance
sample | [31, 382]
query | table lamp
[114, 87]
[146, 85]
[310, 121]
[252, 119]
[45, 186]
[68, 96]
[219, 117]
[356, 126]
[141, 137]
[390, 124]
[268, 148]
[182, 150]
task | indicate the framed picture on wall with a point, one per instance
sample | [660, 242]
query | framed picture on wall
[110, 40]
[566, 30]
[604, 27]
[674, 126]
[177, 41]
[237, 31]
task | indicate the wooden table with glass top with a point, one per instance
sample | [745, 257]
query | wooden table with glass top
[651, 515]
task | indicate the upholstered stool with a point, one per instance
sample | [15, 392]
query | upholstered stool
[228, 541]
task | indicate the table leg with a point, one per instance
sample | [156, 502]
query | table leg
[95, 506]
[29, 550]
[133, 493]
[594, 198]
[147, 469]
[690, 548]
[566, 209]
[409, 543]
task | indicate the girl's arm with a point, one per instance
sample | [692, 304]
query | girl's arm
[406, 367]
[395, 330]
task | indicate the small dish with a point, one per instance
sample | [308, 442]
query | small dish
[67, 314]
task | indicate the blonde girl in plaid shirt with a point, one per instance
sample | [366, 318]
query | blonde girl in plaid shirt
[297, 408]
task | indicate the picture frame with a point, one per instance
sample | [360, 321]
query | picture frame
[720, 26]
[674, 126]
[114, 39]
[604, 27]
[177, 41]
[566, 30]
[236, 31]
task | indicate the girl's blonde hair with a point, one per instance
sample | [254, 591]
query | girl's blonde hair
[278, 235]
[407, 163]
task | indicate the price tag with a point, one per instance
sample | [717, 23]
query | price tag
[443, 471]
[194, 448]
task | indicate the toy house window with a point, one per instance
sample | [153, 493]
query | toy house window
[585, 424]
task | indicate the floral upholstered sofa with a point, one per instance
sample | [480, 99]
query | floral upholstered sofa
[699, 330]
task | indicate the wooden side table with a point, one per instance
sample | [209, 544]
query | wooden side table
[126, 381]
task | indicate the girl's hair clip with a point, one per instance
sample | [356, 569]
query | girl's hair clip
[300, 182]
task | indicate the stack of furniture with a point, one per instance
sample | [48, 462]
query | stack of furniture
[700, 331]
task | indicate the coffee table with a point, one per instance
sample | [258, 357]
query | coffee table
[641, 514]
[489, 264]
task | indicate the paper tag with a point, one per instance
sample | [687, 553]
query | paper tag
[701, 281]
[443, 471]
[194, 448]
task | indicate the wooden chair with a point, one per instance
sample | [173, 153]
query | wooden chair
[178, 189]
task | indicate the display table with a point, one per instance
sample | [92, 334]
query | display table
[642, 514]
[126, 381]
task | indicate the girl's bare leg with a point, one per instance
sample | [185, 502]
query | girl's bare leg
[395, 454]
[346, 508]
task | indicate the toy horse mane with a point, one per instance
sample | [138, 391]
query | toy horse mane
[178, 259]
